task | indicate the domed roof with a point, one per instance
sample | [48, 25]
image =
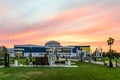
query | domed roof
[52, 44]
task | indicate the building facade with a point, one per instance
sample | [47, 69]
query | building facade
[26, 50]
[51, 47]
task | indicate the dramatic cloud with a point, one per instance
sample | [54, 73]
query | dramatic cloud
[71, 22]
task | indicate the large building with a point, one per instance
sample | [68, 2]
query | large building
[25, 50]
[51, 47]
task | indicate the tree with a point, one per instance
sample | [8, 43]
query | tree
[3, 51]
[110, 42]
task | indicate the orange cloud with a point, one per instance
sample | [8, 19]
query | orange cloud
[84, 25]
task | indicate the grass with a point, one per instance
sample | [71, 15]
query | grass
[84, 71]
[22, 61]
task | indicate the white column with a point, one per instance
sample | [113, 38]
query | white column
[97, 53]
[69, 63]
[51, 59]
[84, 51]
[77, 53]
[16, 63]
[101, 53]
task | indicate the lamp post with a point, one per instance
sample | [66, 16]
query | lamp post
[110, 41]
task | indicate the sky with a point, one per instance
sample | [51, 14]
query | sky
[70, 22]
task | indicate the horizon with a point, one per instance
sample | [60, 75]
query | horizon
[91, 47]
[70, 22]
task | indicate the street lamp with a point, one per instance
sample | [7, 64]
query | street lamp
[110, 41]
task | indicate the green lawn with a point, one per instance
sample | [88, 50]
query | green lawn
[85, 71]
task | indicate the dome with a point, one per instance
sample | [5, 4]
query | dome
[52, 44]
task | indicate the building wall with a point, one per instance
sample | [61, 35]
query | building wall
[26, 50]
[39, 50]
[87, 48]
[75, 49]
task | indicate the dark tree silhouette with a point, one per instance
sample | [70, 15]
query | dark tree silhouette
[110, 42]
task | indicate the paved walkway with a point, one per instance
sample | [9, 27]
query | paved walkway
[102, 63]
[97, 62]
[45, 66]
[60, 65]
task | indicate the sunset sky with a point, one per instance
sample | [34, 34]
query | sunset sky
[71, 22]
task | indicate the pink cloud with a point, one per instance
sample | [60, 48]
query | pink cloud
[85, 25]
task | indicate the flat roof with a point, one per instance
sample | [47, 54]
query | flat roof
[28, 45]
